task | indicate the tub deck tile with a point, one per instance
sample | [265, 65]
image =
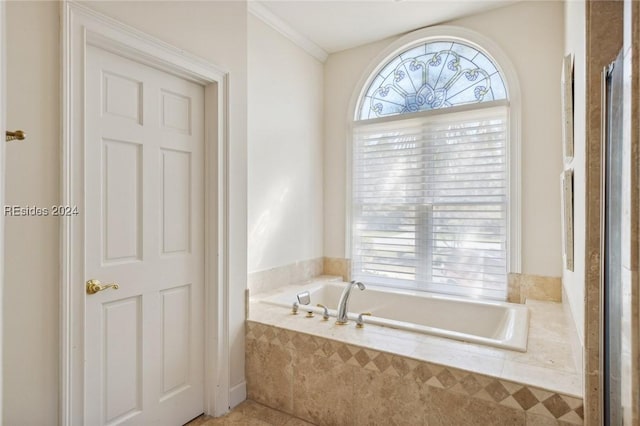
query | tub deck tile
[547, 364]
[541, 386]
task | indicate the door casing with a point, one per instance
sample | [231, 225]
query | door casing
[81, 26]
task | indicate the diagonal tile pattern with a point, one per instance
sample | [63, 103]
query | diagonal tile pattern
[528, 399]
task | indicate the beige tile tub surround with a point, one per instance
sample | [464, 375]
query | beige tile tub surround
[338, 266]
[294, 273]
[298, 273]
[548, 362]
[328, 382]
[522, 287]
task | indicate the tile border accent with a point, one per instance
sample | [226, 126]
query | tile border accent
[485, 389]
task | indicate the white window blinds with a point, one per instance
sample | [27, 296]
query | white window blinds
[430, 202]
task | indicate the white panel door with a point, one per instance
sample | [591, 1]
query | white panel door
[144, 191]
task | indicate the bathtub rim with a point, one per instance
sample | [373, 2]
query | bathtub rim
[517, 340]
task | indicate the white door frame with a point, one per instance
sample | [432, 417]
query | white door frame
[81, 26]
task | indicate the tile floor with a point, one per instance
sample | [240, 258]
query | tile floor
[250, 413]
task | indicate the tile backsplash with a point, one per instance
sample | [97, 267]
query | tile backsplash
[522, 287]
[293, 273]
[338, 266]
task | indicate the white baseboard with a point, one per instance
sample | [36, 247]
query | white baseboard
[237, 394]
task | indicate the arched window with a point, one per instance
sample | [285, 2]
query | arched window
[431, 172]
[435, 74]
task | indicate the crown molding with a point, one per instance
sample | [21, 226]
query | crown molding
[265, 15]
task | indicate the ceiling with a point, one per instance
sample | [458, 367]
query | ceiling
[336, 25]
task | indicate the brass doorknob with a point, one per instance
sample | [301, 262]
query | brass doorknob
[18, 135]
[94, 286]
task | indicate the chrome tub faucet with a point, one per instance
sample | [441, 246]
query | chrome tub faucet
[344, 302]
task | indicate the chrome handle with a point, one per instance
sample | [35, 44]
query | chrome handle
[94, 286]
[360, 321]
[325, 313]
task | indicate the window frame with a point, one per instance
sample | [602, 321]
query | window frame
[509, 76]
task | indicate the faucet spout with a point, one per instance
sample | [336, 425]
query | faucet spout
[343, 304]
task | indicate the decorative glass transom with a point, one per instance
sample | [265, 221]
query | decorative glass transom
[430, 76]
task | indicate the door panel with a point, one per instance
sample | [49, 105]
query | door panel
[176, 112]
[122, 201]
[122, 384]
[176, 305]
[122, 97]
[176, 202]
[144, 191]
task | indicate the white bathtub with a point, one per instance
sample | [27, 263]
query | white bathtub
[499, 324]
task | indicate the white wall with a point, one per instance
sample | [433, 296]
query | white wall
[215, 31]
[341, 74]
[31, 292]
[3, 98]
[531, 35]
[285, 129]
[574, 281]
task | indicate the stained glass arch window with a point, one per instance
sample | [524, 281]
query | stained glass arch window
[432, 75]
